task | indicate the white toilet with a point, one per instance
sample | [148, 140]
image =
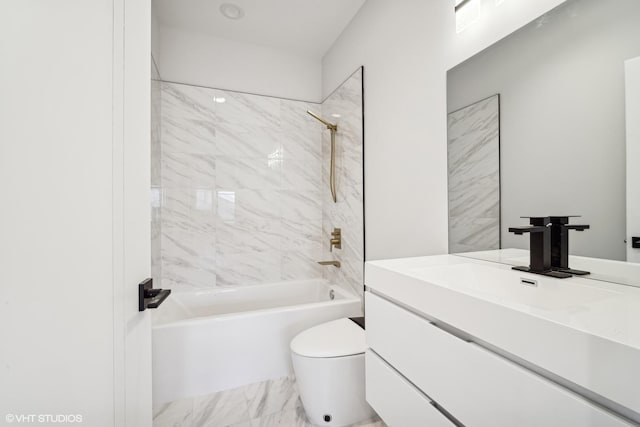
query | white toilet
[328, 361]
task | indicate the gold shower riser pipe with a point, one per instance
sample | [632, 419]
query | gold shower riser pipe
[332, 173]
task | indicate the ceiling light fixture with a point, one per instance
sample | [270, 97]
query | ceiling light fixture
[231, 11]
[219, 99]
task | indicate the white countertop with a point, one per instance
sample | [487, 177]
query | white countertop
[585, 331]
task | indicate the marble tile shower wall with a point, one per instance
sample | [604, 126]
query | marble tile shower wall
[344, 106]
[240, 189]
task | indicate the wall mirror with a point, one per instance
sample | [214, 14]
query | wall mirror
[537, 128]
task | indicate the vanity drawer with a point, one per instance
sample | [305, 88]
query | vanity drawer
[396, 400]
[476, 386]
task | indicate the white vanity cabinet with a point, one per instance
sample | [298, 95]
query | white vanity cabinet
[476, 386]
[397, 400]
[421, 371]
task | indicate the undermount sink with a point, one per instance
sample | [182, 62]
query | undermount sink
[512, 288]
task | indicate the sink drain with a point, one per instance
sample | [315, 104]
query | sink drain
[327, 418]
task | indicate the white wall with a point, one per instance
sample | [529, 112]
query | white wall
[495, 22]
[562, 119]
[403, 52]
[56, 247]
[406, 48]
[204, 60]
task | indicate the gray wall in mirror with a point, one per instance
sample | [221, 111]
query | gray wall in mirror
[473, 150]
[561, 82]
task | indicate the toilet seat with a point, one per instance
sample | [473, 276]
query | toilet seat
[337, 338]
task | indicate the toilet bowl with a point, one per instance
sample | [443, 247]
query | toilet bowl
[328, 361]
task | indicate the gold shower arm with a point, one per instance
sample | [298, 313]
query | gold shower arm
[330, 126]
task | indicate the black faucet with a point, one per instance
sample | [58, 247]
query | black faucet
[560, 243]
[539, 247]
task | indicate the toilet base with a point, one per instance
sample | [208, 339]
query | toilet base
[332, 390]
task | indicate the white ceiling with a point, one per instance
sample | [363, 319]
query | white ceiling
[301, 26]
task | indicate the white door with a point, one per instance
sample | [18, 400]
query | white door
[74, 212]
[633, 156]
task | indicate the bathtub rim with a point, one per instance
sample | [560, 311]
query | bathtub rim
[233, 289]
[347, 298]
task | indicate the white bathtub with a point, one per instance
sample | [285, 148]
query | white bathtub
[207, 341]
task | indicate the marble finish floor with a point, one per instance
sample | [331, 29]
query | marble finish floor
[272, 403]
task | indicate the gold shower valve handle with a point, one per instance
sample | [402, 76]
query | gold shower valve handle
[336, 239]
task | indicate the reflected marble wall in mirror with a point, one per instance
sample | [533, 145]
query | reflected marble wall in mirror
[473, 160]
[561, 81]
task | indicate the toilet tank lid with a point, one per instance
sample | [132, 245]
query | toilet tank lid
[337, 338]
